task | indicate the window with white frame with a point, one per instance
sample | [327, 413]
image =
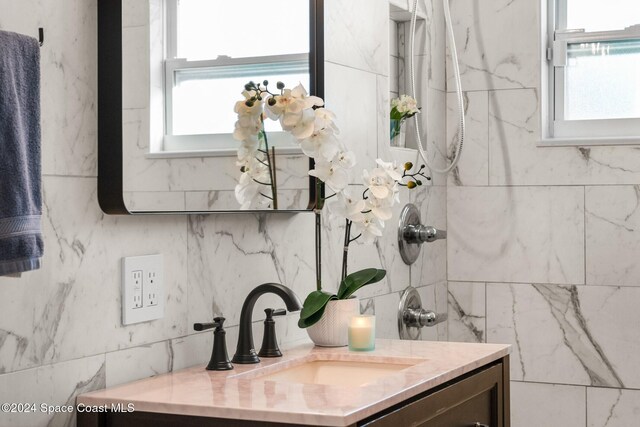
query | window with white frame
[213, 49]
[594, 70]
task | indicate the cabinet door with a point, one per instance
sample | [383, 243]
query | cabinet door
[473, 402]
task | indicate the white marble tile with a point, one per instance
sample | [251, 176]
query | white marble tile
[516, 159]
[429, 49]
[516, 234]
[548, 405]
[393, 39]
[70, 308]
[613, 235]
[567, 334]
[135, 13]
[68, 79]
[473, 167]
[386, 312]
[358, 130]
[138, 362]
[432, 130]
[229, 255]
[57, 384]
[497, 44]
[612, 407]
[135, 67]
[355, 34]
[154, 201]
[431, 265]
[467, 312]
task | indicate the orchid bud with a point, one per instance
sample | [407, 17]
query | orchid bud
[266, 82]
[408, 166]
[280, 85]
[418, 182]
[272, 101]
[247, 87]
[243, 169]
[411, 184]
[249, 103]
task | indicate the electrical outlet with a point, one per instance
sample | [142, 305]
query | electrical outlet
[151, 288]
[137, 289]
[142, 289]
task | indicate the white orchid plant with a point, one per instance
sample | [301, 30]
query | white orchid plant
[402, 108]
[314, 128]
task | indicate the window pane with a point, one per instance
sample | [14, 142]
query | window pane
[603, 80]
[196, 96]
[599, 15]
[242, 28]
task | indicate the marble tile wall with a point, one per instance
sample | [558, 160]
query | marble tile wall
[543, 241]
[60, 330]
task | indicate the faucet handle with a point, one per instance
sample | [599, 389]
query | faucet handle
[270, 312]
[269, 341]
[217, 323]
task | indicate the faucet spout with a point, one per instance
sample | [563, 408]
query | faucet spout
[245, 351]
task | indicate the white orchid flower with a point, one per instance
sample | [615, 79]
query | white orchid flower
[347, 204]
[302, 126]
[346, 159]
[286, 103]
[325, 120]
[248, 149]
[369, 227]
[300, 94]
[381, 208]
[322, 143]
[378, 182]
[247, 190]
[392, 169]
[331, 174]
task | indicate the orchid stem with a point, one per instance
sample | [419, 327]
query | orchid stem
[271, 165]
[347, 241]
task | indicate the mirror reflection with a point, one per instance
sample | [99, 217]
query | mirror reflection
[185, 66]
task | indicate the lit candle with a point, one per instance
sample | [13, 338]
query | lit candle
[362, 333]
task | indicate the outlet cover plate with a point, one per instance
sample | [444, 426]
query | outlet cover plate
[151, 266]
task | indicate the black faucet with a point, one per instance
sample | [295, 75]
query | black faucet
[245, 352]
[219, 360]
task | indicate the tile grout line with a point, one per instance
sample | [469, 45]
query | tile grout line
[584, 242]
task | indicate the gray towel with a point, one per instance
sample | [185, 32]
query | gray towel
[20, 181]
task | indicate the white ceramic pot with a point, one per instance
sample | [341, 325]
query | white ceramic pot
[332, 330]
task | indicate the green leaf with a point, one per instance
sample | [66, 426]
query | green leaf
[356, 280]
[353, 279]
[311, 320]
[315, 301]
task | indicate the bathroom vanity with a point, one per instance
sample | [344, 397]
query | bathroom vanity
[400, 383]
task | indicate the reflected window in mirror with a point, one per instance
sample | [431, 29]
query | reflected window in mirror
[210, 56]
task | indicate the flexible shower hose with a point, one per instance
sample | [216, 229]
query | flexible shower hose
[456, 73]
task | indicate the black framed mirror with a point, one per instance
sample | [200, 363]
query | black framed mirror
[169, 74]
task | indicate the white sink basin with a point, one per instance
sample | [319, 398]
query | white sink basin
[334, 372]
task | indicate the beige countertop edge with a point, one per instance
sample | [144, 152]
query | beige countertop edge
[331, 417]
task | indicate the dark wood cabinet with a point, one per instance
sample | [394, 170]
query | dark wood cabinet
[477, 399]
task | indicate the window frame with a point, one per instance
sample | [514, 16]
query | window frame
[559, 131]
[213, 144]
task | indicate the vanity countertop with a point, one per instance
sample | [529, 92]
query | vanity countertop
[238, 394]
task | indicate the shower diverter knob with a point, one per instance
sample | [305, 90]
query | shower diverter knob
[412, 234]
[412, 317]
